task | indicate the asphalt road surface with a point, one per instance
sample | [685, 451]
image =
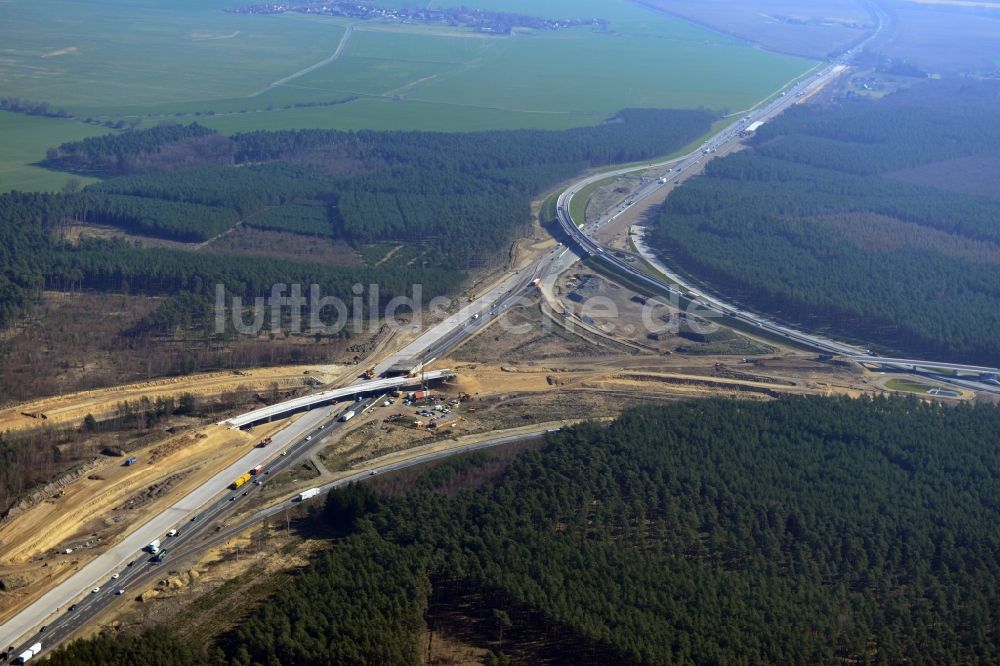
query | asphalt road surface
[209, 503]
[196, 536]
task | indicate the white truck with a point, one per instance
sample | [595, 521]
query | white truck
[29, 653]
[154, 546]
[306, 494]
[347, 416]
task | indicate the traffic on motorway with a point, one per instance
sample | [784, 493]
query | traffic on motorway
[186, 537]
[430, 343]
[709, 304]
[203, 525]
[304, 435]
[203, 530]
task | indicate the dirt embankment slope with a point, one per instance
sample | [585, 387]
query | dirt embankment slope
[97, 509]
[70, 409]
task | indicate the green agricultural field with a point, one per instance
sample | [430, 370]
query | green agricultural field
[24, 140]
[95, 57]
[118, 59]
[189, 60]
[387, 114]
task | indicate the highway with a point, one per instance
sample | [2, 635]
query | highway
[190, 516]
[332, 396]
[205, 501]
[194, 537]
[714, 306]
[432, 342]
[210, 502]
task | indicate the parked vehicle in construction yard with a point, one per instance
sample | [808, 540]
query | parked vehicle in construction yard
[263, 443]
[240, 480]
[306, 494]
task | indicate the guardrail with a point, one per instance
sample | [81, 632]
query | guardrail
[306, 402]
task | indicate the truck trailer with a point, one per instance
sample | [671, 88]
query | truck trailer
[29, 653]
[306, 494]
[240, 480]
[347, 416]
[154, 546]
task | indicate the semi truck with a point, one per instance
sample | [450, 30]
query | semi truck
[306, 494]
[347, 416]
[154, 546]
[29, 653]
[240, 480]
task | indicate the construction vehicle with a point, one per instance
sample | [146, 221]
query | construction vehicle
[369, 373]
[240, 480]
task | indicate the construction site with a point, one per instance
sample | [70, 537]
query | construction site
[549, 360]
[550, 375]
